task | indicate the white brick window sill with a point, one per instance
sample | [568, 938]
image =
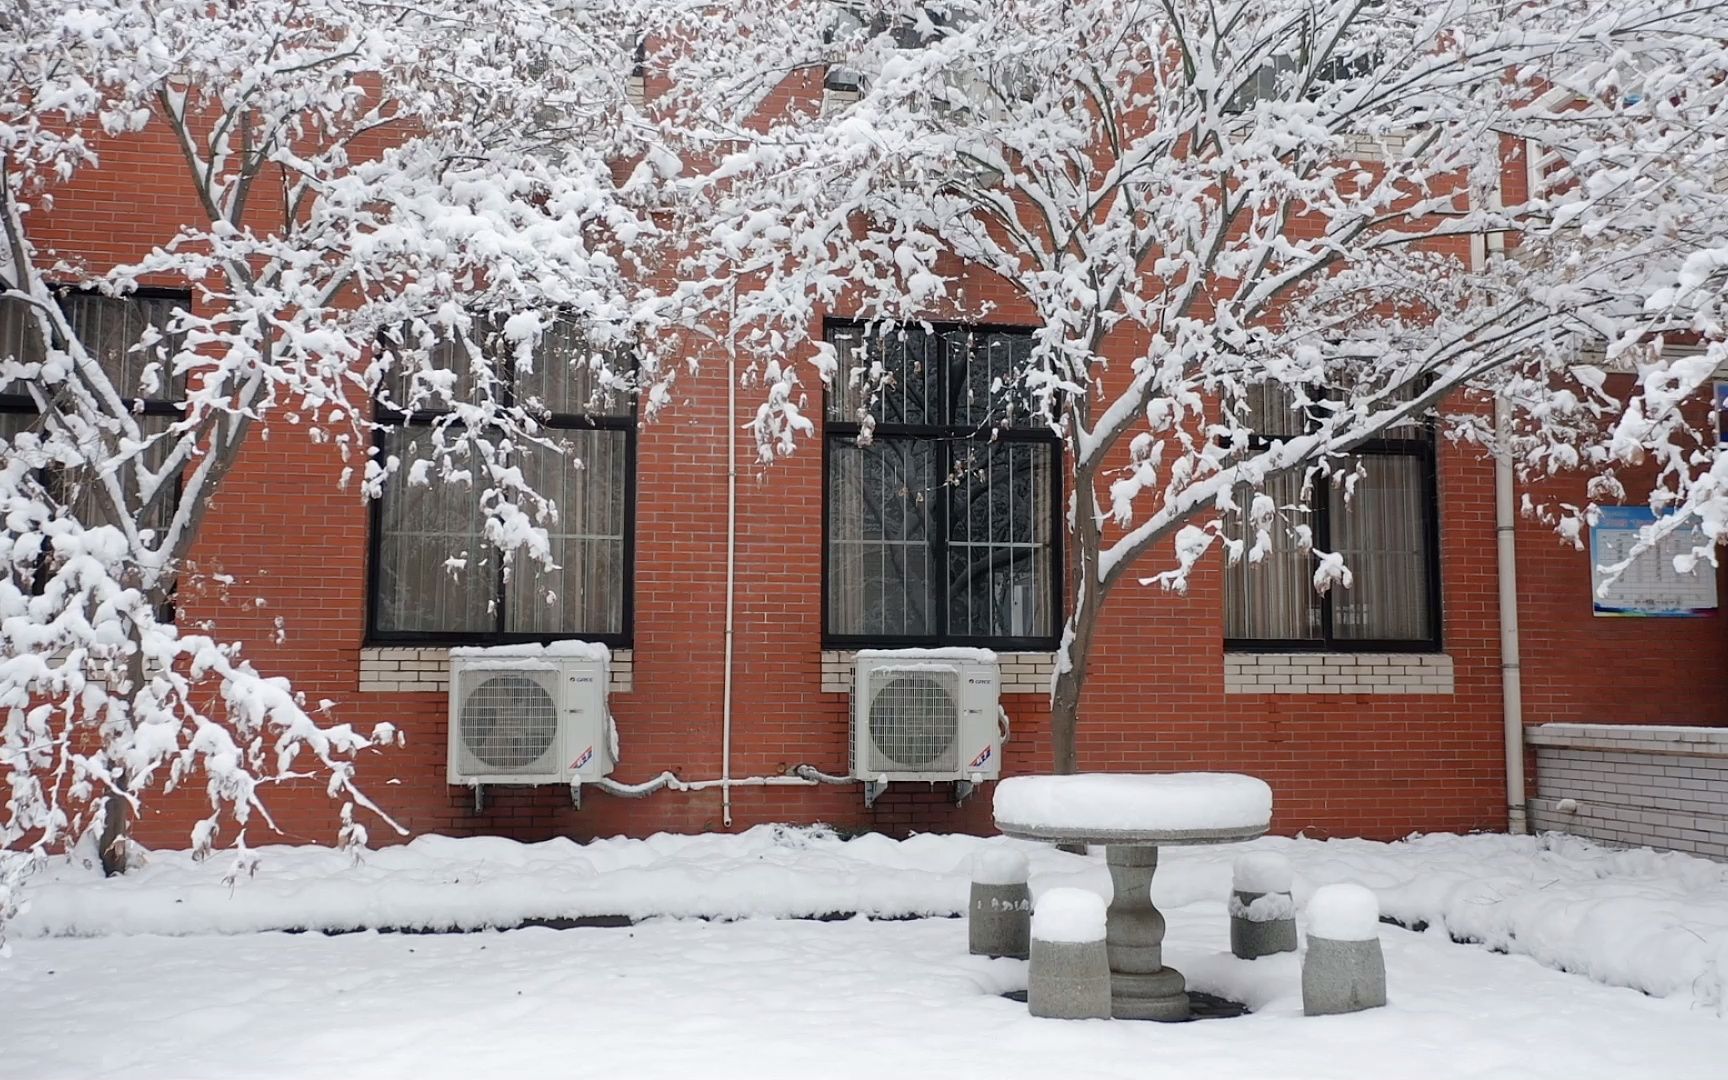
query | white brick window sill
[1337, 673]
[1022, 672]
[415, 670]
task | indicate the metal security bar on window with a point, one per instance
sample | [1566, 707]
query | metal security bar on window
[942, 525]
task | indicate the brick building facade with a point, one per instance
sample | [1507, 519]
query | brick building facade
[1373, 743]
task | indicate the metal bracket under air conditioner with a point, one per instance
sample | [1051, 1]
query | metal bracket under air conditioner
[576, 794]
[479, 798]
[873, 790]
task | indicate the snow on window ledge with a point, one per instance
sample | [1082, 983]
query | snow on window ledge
[415, 670]
[1022, 672]
[1337, 673]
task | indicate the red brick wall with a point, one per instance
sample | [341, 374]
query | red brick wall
[1378, 766]
[1584, 668]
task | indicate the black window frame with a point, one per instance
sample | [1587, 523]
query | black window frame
[138, 405]
[25, 405]
[401, 419]
[944, 436]
[903, 30]
[1423, 448]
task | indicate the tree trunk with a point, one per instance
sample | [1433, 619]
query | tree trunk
[1086, 540]
[1076, 642]
[116, 835]
[115, 840]
[1065, 694]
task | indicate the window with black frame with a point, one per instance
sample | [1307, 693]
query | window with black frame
[943, 528]
[436, 578]
[1379, 511]
[129, 336]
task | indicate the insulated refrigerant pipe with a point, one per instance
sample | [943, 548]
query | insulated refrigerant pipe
[797, 776]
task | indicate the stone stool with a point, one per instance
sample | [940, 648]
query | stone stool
[999, 918]
[1070, 974]
[1343, 970]
[1262, 912]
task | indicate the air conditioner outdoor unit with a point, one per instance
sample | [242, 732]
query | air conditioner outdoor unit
[925, 714]
[529, 715]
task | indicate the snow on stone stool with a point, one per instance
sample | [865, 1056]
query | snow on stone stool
[1070, 974]
[1262, 913]
[999, 919]
[1343, 970]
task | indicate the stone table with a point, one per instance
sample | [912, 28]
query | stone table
[1132, 816]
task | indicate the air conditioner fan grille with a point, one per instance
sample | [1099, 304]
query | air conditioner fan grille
[508, 721]
[914, 721]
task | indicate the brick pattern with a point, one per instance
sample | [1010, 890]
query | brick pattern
[280, 566]
[835, 101]
[1022, 673]
[1337, 673]
[1583, 669]
[427, 671]
[1664, 787]
[1373, 148]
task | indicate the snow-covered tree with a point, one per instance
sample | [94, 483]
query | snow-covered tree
[395, 202]
[1298, 229]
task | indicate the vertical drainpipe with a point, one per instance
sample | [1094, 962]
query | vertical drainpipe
[1506, 567]
[1511, 677]
[731, 576]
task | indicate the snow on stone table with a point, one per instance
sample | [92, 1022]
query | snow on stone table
[1163, 808]
[1132, 814]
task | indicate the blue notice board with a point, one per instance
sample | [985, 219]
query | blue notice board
[1651, 587]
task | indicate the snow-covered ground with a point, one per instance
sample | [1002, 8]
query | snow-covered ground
[768, 997]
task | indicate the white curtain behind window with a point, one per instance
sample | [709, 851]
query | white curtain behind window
[1274, 598]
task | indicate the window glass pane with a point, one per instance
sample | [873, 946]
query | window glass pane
[1269, 82]
[896, 375]
[11, 423]
[93, 506]
[999, 536]
[846, 391]
[585, 593]
[17, 338]
[565, 378]
[431, 380]
[1274, 411]
[1273, 599]
[423, 527]
[879, 573]
[1382, 534]
[981, 384]
[112, 329]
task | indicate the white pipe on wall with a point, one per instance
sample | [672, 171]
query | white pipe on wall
[725, 783]
[1483, 246]
[1511, 675]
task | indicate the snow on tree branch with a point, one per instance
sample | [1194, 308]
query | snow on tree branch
[1389, 211]
[397, 202]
